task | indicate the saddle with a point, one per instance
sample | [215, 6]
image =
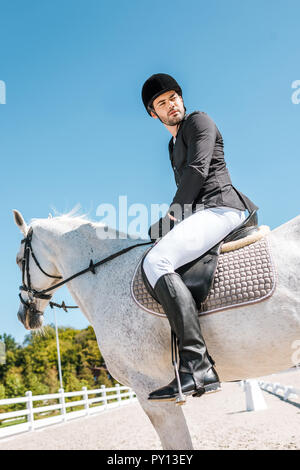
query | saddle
[242, 256]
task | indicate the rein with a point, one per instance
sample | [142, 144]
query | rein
[42, 294]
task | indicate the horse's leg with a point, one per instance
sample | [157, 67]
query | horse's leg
[167, 418]
[169, 422]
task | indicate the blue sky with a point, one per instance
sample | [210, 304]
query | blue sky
[74, 130]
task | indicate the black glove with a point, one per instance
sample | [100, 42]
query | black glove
[161, 228]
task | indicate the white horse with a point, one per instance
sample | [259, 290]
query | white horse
[249, 341]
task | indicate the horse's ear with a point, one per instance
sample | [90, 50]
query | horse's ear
[20, 222]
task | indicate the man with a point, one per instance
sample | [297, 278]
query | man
[204, 210]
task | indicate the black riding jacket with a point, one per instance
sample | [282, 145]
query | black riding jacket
[200, 171]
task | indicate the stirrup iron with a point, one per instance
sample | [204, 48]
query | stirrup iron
[181, 399]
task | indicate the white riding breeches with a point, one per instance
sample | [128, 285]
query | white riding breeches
[189, 239]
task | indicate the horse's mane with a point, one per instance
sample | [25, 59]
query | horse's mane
[73, 214]
[77, 219]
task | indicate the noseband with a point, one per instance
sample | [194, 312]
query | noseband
[42, 294]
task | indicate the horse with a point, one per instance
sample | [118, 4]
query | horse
[245, 342]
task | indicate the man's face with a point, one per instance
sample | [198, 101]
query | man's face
[169, 107]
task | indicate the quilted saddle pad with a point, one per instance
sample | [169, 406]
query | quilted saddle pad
[243, 276]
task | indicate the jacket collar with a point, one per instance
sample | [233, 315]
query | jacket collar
[171, 143]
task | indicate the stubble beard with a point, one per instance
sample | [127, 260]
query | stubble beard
[173, 120]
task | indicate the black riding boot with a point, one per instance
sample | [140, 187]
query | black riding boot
[196, 371]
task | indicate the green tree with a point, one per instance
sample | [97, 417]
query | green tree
[33, 366]
[14, 385]
[9, 342]
[51, 380]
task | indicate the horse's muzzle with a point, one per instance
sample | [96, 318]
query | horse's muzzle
[30, 320]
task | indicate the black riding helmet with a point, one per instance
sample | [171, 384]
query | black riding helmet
[156, 85]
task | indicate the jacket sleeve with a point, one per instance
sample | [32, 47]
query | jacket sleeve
[200, 137]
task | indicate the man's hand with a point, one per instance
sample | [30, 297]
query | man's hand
[162, 227]
[172, 217]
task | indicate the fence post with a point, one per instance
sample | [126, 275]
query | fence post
[103, 393]
[29, 406]
[62, 402]
[254, 398]
[86, 401]
[118, 394]
[287, 391]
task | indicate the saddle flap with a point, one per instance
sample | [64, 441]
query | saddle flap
[198, 275]
[242, 276]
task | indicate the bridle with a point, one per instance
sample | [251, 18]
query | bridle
[43, 294]
[27, 287]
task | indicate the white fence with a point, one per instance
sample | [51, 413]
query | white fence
[254, 398]
[283, 391]
[109, 398]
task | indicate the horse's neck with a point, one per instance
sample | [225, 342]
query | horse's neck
[76, 247]
[72, 246]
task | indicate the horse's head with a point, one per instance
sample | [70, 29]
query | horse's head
[38, 273]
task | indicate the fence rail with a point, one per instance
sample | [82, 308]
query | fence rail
[283, 391]
[109, 398]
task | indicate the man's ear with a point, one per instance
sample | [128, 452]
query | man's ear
[154, 115]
